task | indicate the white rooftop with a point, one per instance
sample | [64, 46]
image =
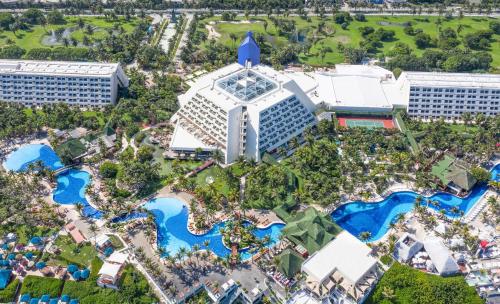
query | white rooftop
[117, 258]
[101, 240]
[263, 88]
[440, 256]
[109, 269]
[345, 254]
[357, 88]
[184, 140]
[55, 68]
[468, 80]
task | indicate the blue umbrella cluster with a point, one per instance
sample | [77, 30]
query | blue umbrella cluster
[45, 299]
[78, 274]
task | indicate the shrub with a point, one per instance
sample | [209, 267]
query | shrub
[408, 285]
[38, 286]
[108, 169]
[360, 17]
[7, 295]
[386, 259]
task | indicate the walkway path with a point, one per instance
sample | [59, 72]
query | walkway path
[184, 38]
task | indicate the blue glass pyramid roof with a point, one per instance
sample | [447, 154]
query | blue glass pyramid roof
[248, 51]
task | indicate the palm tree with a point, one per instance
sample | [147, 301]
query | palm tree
[218, 156]
[79, 207]
[365, 235]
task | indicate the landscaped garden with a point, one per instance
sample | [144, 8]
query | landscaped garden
[71, 253]
[73, 29]
[403, 284]
[331, 34]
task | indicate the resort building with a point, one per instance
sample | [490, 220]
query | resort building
[453, 174]
[441, 258]
[406, 248]
[244, 109]
[433, 95]
[344, 270]
[37, 83]
[357, 89]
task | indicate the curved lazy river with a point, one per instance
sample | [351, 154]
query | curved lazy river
[171, 217]
[359, 216]
[71, 184]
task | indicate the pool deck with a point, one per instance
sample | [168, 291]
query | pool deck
[265, 218]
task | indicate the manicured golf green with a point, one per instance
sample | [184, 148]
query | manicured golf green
[33, 38]
[351, 35]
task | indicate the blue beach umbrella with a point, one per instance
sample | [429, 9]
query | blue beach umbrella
[45, 298]
[73, 301]
[77, 275]
[34, 301]
[29, 255]
[40, 265]
[85, 273]
[65, 298]
[72, 268]
[25, 298]
[11, 256]
[36, 240]
[5, 246]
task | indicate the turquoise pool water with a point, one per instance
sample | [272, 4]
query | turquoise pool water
[70, 190]
[20, 159]
[359, 216]
[171, 217]
[71, 184]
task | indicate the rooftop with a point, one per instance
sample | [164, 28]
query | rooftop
[246, 85]
[55, 68]
[311, 229]
[345, 254]
[436, 79]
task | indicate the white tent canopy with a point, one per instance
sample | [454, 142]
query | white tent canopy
[440, 257]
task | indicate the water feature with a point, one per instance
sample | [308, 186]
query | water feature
[70, 190]
[71, 184]
[171, 217]
[20, 159]
[359, 216]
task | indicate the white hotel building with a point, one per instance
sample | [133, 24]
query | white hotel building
[449, 95]
[242, 109]
[76, 83]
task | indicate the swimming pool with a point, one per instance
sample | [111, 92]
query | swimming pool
[359, 216]
[20, 159]
[70, 190]
[71, 184]
[171, 217]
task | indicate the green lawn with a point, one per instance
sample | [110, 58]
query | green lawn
[166, 164]
[351, 35]
[116, 242]
[72, 253]
[217, 173]
[33, 37]
[39, 286]
[25, 233]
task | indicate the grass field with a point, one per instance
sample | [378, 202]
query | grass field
[352, 35]
[72, 253]
[33, 38]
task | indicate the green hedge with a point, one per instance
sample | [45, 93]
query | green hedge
[386, 259]
[38, 286]
[8, 294]
[403, 284]
[134, 288]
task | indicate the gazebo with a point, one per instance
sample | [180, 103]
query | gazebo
[289, 263]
